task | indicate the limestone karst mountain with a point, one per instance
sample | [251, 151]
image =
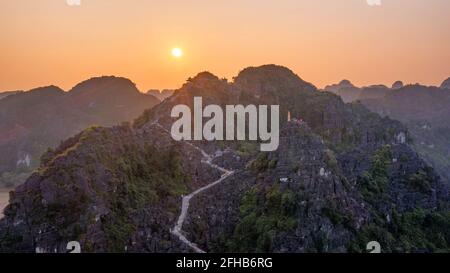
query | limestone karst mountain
[426, 112]
[342, 176]
[424, 109]
[35, 120]
[349, 93]
[335, 88]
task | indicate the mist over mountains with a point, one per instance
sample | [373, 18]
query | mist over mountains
[425, 110]
[348, 92]
[342, 176]
[33, 121]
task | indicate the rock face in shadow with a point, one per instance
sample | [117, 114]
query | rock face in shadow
[307, 198]
[113, 189]
[342, 176]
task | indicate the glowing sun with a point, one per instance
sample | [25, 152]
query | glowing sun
[177, 52]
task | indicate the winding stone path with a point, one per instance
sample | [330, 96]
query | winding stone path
[207, 159]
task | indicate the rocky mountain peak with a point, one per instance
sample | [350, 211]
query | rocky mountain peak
[397, 85]
[204, 84]
[275, 71]
[51, 89]
[269, 79]
[203, 81]
[205, 76]
[35, 96]
[104, 82]
[446, 84]
[335, 88]
[346, 83]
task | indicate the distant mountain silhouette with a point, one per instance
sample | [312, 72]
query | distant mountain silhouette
[335, 88]
[161, 95]
[426, 112]
[40, 118]
[348, 92]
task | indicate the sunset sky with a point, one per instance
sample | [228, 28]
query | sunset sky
[47, 42]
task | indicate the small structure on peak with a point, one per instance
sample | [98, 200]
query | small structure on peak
[291, 119]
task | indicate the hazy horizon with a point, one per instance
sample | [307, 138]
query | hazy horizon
[219, 76]
[322, 41]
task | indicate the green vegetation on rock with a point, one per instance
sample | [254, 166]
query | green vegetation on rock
[142, 182]
[374, 182]
[415, 231]
[263, 215]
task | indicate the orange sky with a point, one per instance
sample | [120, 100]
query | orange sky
[46, 42]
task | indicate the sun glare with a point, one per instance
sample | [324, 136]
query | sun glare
[177, 52]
